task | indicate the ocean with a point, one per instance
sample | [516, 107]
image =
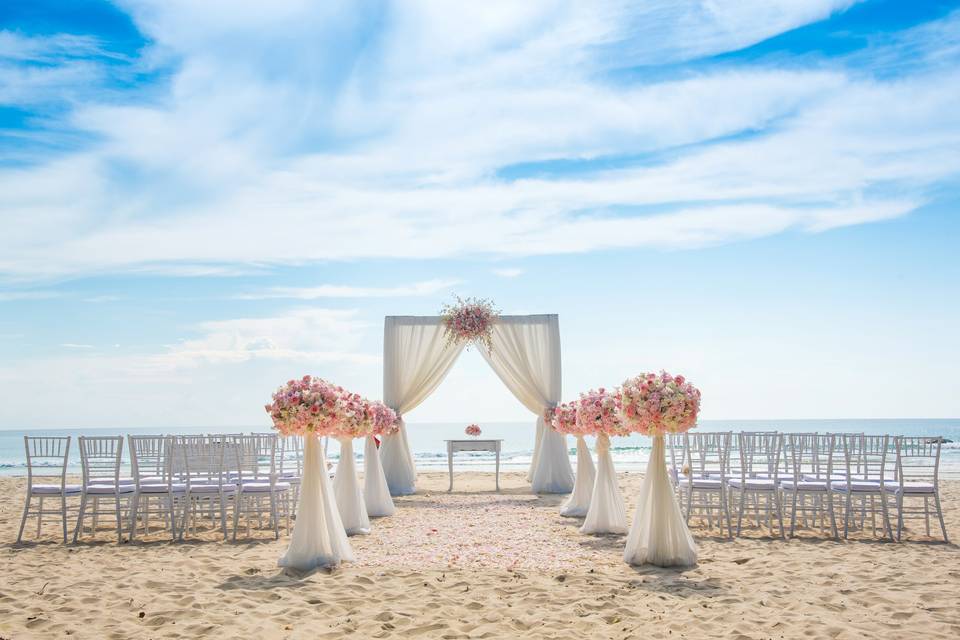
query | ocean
[429, 448]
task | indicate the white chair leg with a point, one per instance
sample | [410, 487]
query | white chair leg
[23, 520]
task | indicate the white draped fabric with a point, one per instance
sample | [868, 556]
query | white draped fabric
[318, 538]
[526, 357]
[659, 534]
[607, 513]
[346, 490]
[578, 503]
[416, 359]
[376, 494]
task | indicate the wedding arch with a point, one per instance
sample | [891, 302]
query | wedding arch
[525, 355]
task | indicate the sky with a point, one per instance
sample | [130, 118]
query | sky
[200, 200]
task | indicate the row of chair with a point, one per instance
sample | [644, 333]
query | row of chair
[182, 480]
[816, 477]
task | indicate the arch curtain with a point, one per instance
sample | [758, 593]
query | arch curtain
[525, 356]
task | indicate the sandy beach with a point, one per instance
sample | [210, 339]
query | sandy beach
[477, 564]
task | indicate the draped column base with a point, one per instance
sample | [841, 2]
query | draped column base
[659, 535]
[346, 489]
[376, 493]
[607, 513]
[577, 505]
[552, 473]
[318, 538]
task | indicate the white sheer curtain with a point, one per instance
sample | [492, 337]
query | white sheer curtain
[607, 513]
[318, 538]
[526, 357]
[578, 503]
[346, 490]
[416, 359]
[659, 534]
[376, 494]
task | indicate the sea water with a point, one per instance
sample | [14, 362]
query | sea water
[429, 448]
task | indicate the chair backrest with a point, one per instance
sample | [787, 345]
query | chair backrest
[47, 458]
[760, 453]
[290, 456]
[202, 460]
[256, 456]
[151, 459]
[100, 457]
[708, 454]
[918, 459]
[808, 454]
[865, 456]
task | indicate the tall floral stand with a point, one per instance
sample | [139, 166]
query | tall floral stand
[659, 535]
[376, 493]
[607, 513]
[318, 538]
[346, 489]
[577, 505]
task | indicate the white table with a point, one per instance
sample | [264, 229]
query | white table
[473, 445]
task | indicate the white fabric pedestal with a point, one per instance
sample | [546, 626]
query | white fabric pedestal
[318, 538]
[346, 489]
[607, 513]
[578, 503]
[659, 534]
[376, 494]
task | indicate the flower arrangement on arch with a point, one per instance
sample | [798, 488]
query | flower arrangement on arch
[472, 430]
[598, 412]
[654, 404]
[469, 320]
[307, 405]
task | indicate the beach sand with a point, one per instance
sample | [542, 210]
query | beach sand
[477, 564]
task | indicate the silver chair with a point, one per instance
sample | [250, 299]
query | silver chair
[917, 478]
[100, 457]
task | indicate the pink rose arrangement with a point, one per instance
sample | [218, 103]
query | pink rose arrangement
[313, 405]
[308, 405]
[563, 419]
[383, 418]
[472, 430]
[469, 320]
[654, 404]
[598, 412]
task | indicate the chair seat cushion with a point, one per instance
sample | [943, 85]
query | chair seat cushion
[780, 476]
[176, 487]
[257, 487]
[702, 483]
[910, 487]
[863, 486]
[212, 488]
[54, 489]
[109, 489]
[804, 485]
[754, 484]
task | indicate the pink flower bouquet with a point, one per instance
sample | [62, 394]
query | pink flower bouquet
[563, 419]
[598, 412]
[655, 404]
[469, 320]
[472, 430]
[355, 421]
[308, 405]
[383, 418]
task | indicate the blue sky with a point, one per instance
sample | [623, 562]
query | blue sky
[201, 200]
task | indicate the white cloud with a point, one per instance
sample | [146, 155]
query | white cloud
[508, 272]
[9, 296]
[425, 288]
[292, 135]
[73, 345]
[319, 336]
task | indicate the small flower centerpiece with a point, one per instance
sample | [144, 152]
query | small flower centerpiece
[598, 413]
[306, 406]
[470, 320]
[472, 430]
[655, 404]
